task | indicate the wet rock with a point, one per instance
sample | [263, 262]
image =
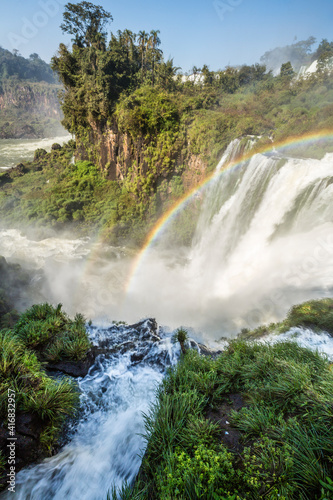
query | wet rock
[206, 351]
[27, 444]
[28, 425]
[221, 415]
[77, 368]
[5, 178]
[18, 171]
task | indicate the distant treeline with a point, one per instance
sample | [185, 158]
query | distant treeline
[32, 68]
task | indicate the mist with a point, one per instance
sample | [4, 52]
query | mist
[298, 54]
[263, 242]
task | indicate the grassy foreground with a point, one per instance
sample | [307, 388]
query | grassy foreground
[253, 423]
[42, 334]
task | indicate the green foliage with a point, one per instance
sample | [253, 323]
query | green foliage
[86, 22]
[200, 474]
[32, 68]
[147, 111]
[180, 336]
[284, 426]
[35, 392]
[317, 314]
[50, 332]
[169, 134]
[287, 70]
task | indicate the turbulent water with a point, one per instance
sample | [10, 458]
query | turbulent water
[14, 151]
[106, 446]
[263, 242]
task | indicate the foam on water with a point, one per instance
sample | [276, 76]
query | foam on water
[14, 151]
[106, 445]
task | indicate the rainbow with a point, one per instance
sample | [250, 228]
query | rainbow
[162, 223]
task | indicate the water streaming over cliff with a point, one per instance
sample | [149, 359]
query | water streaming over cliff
[264, 241]
[106, 446]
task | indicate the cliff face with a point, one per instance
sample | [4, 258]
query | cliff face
[29, 110]
[121, 157]
[41, 98]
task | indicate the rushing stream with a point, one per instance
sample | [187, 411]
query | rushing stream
[14, 151]
[106, 446]
[263, 242]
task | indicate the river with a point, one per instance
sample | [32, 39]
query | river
[264, 241]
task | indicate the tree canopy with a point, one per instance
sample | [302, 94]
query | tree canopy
[33, 68]
[86, 22]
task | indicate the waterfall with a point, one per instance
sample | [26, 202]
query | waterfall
[264, 241]
[106, 445]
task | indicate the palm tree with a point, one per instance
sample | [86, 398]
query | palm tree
[143, 40]
[166, 74]
[154, 41]
[129, 39]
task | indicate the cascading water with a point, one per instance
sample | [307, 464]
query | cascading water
[264, 241]
[105, 448]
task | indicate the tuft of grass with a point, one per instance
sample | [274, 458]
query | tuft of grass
[181, 336]
[43, 333]
[50, 332]
[316, 314]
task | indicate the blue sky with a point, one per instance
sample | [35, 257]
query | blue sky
[196, 32]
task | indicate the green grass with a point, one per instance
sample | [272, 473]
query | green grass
[52, 334]
[35, 393]
[284, 426]
[42, 334]
[316, 314]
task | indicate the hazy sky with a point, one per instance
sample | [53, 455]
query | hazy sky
[213, 32]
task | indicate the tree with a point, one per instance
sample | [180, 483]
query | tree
[297, 53]
[143, 40]
[287, 70]
[86, 22]
[154, 43]
[208, 75]
[324, 55]
[166, 74]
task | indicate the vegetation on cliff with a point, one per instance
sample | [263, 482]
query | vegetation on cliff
[34, 69]
[254, 422]
[145, 135]
[315, 314]
[28, 97]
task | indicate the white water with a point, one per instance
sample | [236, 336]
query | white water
[264, 242]
[106, 446]
[14, 151]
